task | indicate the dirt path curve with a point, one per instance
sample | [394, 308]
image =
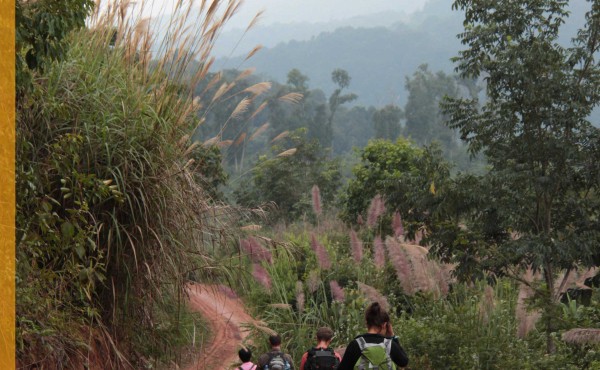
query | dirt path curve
[225, 314]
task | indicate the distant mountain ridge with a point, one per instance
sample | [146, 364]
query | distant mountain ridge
[378, 59]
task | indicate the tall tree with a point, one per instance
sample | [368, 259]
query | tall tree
[538, 206]
[387, 122]
[424, 119]
[342, 79]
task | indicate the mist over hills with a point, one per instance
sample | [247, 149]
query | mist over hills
[378, 50]
[377, 58]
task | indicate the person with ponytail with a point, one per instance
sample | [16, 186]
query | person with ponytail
[378, 347]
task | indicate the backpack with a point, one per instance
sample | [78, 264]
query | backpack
[319, 358]
[375, 356]
[277, 362]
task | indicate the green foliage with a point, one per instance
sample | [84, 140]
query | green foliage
[108, 210]
[407, 177]
[41, 29]
[387, 122]
[286, 180]
[538, 204]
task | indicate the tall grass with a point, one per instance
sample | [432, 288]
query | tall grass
[112, 221]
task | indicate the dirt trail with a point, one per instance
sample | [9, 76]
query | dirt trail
[225, 314]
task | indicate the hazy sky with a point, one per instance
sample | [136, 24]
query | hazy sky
[287, 11]
[295, 11]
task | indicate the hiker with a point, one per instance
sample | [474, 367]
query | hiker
[378, 347]
[245, 355]
[275, 359]
[321, 356]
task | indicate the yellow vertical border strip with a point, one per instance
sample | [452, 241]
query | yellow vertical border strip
[7, 184]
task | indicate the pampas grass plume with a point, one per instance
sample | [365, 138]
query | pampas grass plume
[261, 276]
[397, 225]
[376, 209]
[316, 200]
[300, 296]
[337, 292]
[321, 253]
[357, 246]
[378, 248]
[374, 295]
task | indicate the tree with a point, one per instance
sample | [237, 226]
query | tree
[387, 122]
[286, 178]
[404, 175]
[341, 78]
[424, 120]
[538, 206]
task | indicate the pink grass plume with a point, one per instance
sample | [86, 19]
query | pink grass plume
[316, 200]
[357, 246]
[337, 292]
[379, 252]
[261, 276]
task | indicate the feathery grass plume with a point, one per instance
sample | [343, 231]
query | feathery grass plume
[255, 250]
[260, 108]
[240, 108]
[292, 97]
[379, 258]
[240, 139]
[280, 136]
[316, 200]
[374, 295]
[582, 336]
[401, 264]
[525, 317]
[252, 227]
[224, 144]
[227, 291]
[313, 281]
[261, 276]
[259, 131]
[376, 209]
[258, 88]
[359, 220]
[211, 141]
[300, 296]
[287, 153]
[245, 73]
[322, 256]
[253, 51]
[283, 306]
[356, 246]
[337, 292]
[487, 304]
[397, 225]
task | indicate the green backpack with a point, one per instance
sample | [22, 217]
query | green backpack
[375, 356]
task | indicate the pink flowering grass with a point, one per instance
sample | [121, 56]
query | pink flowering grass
[337, 292]
[316, 200]
[376, 209]
[300, 296]
[356, 246]
[261, 276]
[256, 251]
[374, 295]
[322, 256]
[397, 226]
[379, 251]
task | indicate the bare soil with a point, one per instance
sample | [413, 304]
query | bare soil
[225, 314]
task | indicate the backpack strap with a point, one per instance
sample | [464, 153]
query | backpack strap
[363, 362]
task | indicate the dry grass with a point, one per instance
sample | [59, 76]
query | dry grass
[581, 336]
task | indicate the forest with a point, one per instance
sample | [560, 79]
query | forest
[469, 208]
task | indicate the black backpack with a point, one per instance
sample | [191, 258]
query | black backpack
[319, 359]
[277, 361]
